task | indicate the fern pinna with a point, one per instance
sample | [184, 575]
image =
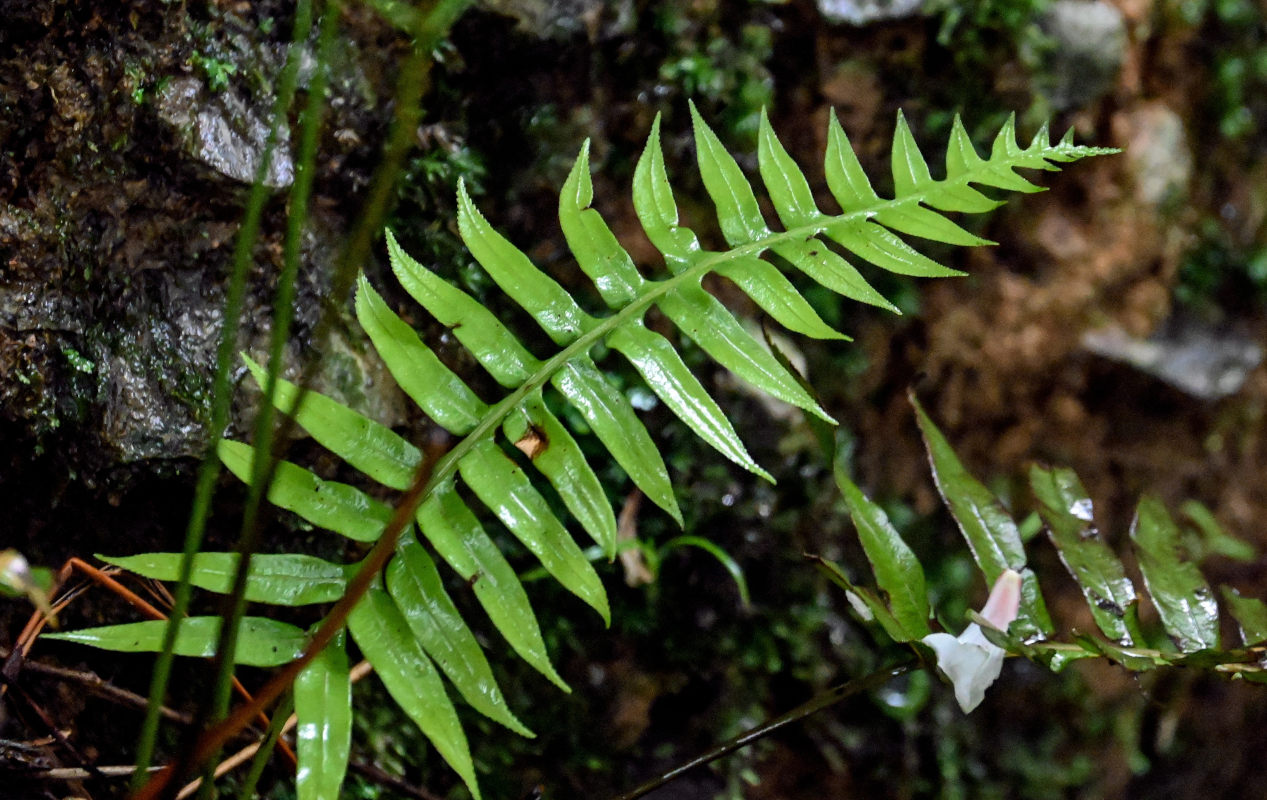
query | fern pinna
[407, 625]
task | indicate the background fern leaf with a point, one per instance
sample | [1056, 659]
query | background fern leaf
[1182, 597]
[323, 736]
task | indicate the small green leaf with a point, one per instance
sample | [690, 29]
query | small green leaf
[910, 170]
[461, 541]
[654, 204]
[387, 643]
[1250, 614]
[555, 454]
[595, 247]
[440, 393]
[916, 220]
[885, 250]
[777, 297]
[1066, 508]
[415, 585]
[369, 446]
[548, 303]
[288, 579]
[662, 368]
[821, 263]
[705, 320]
[491, 342]
[504, 488]
[1183, 598]
[327, 504]
[784, 180]
[846, 179]
[737, 210]
[988, 528]
[261, 642]
[898, 572]
[323, 736]
[613, 420]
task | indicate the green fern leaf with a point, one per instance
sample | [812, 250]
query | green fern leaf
[261, 642]
[285, 580]
[388, 644]
[323, 736]
[1183, 598]
[415, 585]
[1250, 614]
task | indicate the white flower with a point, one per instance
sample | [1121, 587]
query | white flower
[972, 662]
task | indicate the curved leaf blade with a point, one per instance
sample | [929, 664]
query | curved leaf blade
[386, 642]
[613, 420]
[479, 331]
[989, 530]
[331, 505]
[548, 303]
[1250, 614]
[706, 321]
[461, 541]
[1182, 597]
[261, 642]
[370, 446]
[323, 736]
[663, 370]
[789, 190]
[1066, 508]
[737, 210]
[555, 454]
[898, 573]
[776, 296]
[502, 486]
[290, 579]
[440, 393]
[415, 586]
[597, 251]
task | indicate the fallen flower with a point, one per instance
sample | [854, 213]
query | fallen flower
[971, 661]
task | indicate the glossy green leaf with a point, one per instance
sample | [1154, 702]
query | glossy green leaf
[846, 179]
[910, 170]
[548, 303]
[492, 344]
[613, 420]
[440, 393]
[1250, 614]
[789, 190]
[737, 210]
[261, 642]
[1066, 508]
[656, 209]
[504, 488]
[399, 661]
[461, 541]
[323, 735]
[415, 586]
[898, 572]
[327, 504]
[288, 579]
[885, 250]
[595, 247]
[1182, 597]
[775, 294]
[555, 454]
[369, 446]
[818, 261]
[912, 218]
[662, 368]
[989, 530]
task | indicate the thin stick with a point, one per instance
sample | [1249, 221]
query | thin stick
[814, 705]
[79, 773]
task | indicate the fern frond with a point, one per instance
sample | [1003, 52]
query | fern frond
[412, 626]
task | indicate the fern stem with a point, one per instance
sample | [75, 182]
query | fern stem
[209, 470]
[815, 704]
